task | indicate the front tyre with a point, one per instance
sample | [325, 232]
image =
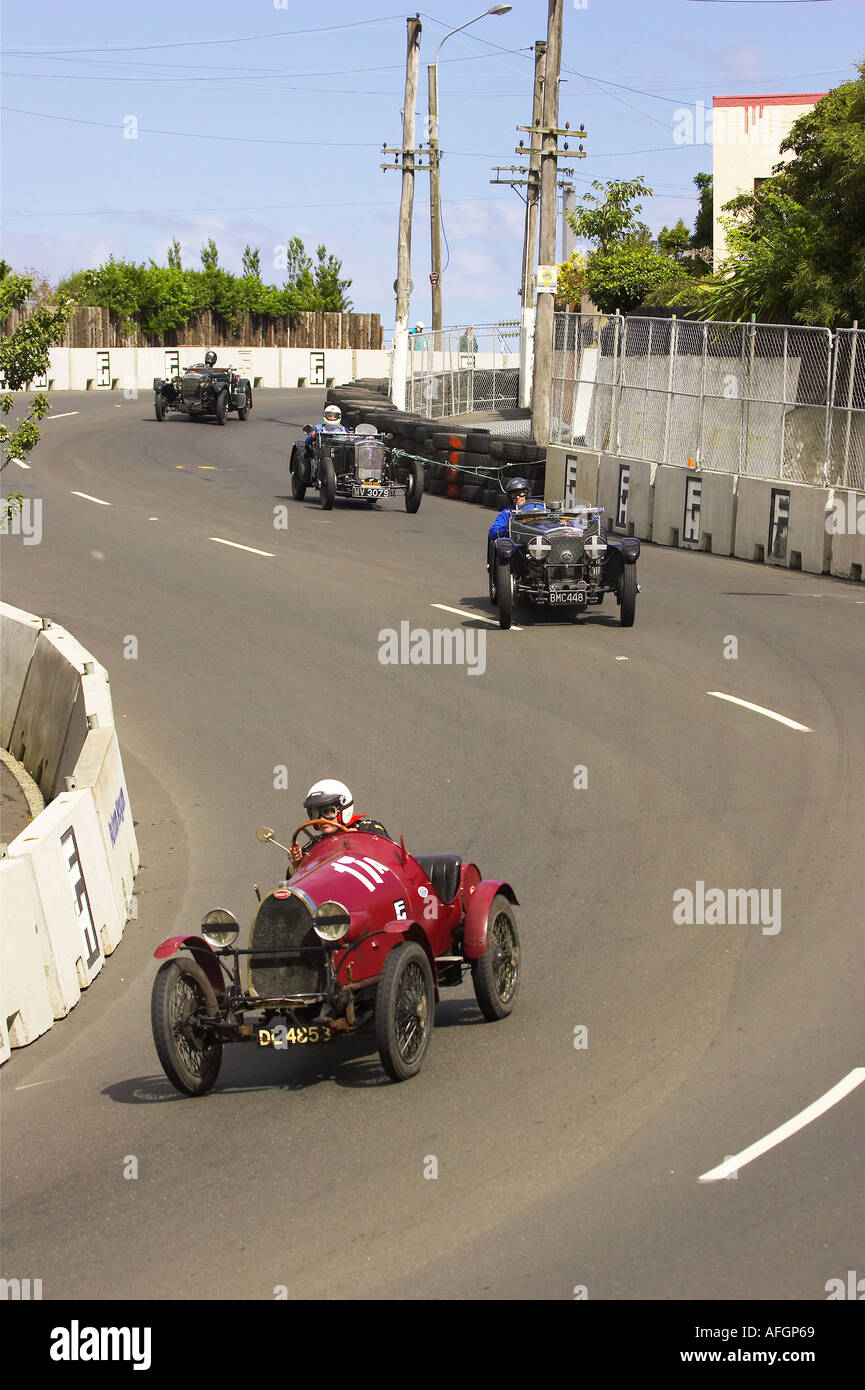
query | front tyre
[245, 409]
[182, 998]
[299, 475]
[628, 595]
[415, 488]
[404, 1007]
[504, 593]
[327, 483]
[221, 407]
[496, 974]
[159, 407]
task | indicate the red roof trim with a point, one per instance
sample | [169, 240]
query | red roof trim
[772, 99]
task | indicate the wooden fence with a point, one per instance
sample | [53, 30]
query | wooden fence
[101, 328]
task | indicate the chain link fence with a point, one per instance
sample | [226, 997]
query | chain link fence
[458, 371]
[762, 400]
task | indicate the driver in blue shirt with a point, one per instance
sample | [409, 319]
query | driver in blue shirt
[331, 424]
[518, 497]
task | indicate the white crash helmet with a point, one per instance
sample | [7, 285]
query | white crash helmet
[326, 793]
[418, 327]
[332, 415]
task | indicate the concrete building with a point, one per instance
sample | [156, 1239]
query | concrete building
[747, 132]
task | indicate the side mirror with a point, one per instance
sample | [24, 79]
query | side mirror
[264, 833]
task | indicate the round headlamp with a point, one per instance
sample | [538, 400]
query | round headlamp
[219, 927]
[331, 921]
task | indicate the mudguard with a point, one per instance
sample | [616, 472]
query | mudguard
[477, 916]
[412, 931]
[202, 953]
[504, 547]
[630, 548]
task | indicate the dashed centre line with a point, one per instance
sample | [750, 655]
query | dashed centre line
[811, 1112]
[87, 497]
[237, 546]
[63, 415]
[761, 709]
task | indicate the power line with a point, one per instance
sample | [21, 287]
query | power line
[209, 43]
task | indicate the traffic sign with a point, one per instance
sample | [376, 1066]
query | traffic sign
[434, 277]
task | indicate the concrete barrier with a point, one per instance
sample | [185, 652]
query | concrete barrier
[100, 770]
[783, 523]
[64, 848]
[845, 523]
[571, 473]
[626, 490]
[44, 718]
[132, 370]
[694, 511]
[25, 1004]
[19, 633]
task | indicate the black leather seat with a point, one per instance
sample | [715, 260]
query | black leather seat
[443, 872]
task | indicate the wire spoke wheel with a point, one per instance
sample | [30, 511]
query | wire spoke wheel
[404, 1006]
[182, 1000]
[496, 974]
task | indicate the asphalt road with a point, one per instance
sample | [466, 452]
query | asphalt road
[559, 1166]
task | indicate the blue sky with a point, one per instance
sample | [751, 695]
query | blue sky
[278, 112]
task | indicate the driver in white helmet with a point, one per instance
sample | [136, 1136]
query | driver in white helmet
[332, 801]
[331, 423]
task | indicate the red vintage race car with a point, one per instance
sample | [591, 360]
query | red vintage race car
[362, 931]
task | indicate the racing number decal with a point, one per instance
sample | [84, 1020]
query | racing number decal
[367, 871]
[399, 910]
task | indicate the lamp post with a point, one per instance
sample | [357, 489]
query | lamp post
[434, 199]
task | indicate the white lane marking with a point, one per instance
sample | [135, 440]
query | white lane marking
[761, 709]
[811, 1112]
[623, 658]
[153, 518]
[236, 546]
[21, 463]
[479, 616]
[88, 498]
[31, 1084]
[63, 415]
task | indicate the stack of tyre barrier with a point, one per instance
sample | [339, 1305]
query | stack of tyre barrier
[468, 464]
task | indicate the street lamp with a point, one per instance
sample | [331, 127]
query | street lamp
[434, 200]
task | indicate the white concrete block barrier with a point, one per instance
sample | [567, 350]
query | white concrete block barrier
[79, 855]
[693, 510]
[626, 489]
[845, 522]
[63, 846]
[784, 524]
[26, 1007]
[571, 473]
[132, 370]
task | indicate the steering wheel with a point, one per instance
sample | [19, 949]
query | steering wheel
[320, 820]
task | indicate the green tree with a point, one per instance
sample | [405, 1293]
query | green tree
[174, 262]
[209, 255]
[704, 223]
[625, 276]
[673, 241]
[251, 262]
[613, 217]
[329, 288]
[23, 357]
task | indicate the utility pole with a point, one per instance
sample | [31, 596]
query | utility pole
[403, 286]
[435, 224]
[569, 205]
[542, 372]
[527, 293]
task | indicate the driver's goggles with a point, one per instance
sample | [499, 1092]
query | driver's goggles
[515, 495]
[325, 813]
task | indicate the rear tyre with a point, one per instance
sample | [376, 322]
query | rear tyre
[299, 476]
[159, 407]
[221, 407]
[327, 482]
[245, 409]
[496, 974]
[404, 1007]
[415, 489]
[628, 595]
[504, 593]
[182, 997]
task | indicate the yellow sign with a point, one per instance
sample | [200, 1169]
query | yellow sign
[546, 277]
